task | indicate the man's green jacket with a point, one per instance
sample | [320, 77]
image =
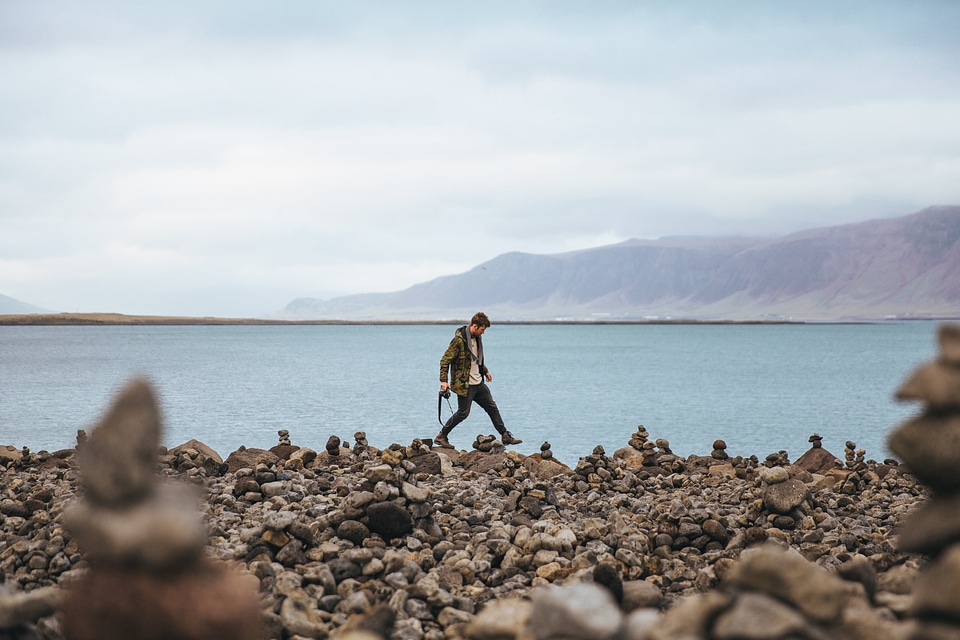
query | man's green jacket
[457, 357]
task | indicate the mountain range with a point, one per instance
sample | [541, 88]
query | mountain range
[906, 267]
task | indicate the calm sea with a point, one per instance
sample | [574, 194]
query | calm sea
[761, 388]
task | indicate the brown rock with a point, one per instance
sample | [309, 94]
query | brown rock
[275, 538]
[9, 453]
[640, 594]
[480, 462]
[932, 527]
[25, 608]
[205, 602]
[817, 460]
[937, 592]
[948, 337]
[284, 451]
[205, 450]
[428, 463]
[545, 468]
[249, 458]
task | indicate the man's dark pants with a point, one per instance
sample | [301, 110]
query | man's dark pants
[479, 393]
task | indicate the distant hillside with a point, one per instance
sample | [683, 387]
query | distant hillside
[10, 305]
[903, 267]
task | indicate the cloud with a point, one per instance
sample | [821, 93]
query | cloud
[214, 158]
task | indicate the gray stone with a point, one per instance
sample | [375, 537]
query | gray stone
[690, 617]
[640, 624]
[413, 493]
[774, 475]
[787, 575]
[272, 489]
[499, 620]
[640, 594]
[359, 499]
[299, 615]
[279, 520]
[343, 569]
[933, 526]
[582, 610]
[937, 384]
[937, 592]
[26, 608]
[930, 447]
[755, 616]
[785, 496]
[859, 569]
[899, 579]
[379, 473]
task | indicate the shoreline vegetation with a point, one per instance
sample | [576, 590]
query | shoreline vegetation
[119, 319]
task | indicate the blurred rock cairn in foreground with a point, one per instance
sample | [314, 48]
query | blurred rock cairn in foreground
[930, 445]
[144, 540]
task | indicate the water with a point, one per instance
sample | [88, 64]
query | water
[761, 388]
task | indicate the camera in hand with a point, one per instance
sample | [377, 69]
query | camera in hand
[445, 393]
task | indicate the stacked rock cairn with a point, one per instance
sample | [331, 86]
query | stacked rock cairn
[545, 452]
[855, 458]
[488, 444]
[144, 540]
[719, 450]
[333, 446]
[929, 446]
[361, 447]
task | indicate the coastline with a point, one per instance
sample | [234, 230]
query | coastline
[119, 319]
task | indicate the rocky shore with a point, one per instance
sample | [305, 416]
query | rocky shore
[416, 542]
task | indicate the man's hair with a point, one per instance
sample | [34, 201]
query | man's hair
[480, 319]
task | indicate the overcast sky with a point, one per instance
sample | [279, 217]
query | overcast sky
[222, 158]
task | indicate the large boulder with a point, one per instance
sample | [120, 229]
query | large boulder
[244, 458]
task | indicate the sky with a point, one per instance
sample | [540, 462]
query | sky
[221, 158]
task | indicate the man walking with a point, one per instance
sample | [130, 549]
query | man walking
[468, 379]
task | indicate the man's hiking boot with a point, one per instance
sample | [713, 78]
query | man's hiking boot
[507, 438]
[441, 441]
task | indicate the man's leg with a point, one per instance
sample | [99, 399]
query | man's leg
[485, 399]
[463, 410]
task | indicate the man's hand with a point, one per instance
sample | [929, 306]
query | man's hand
[444, 386]
[489, 377]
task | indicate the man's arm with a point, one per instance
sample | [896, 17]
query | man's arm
[448, 357]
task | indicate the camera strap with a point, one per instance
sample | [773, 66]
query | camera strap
[440, 397]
